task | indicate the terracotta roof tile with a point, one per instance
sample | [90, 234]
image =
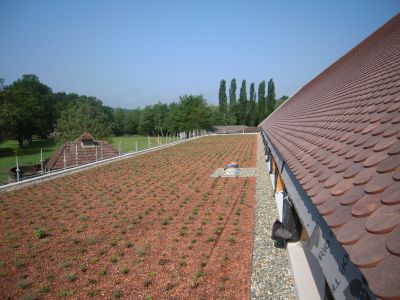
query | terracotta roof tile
[396, 118]
[393, 243]
[328, 207]
[321, 197]
[390, 163]
[340, 135]
[361, 140]
[366, 205]
[394, 149]
[341, 187]
[85, 154]
[392, 194]
[379, 183]
[383, 279]
[339, 217]
[343, 166]
[396, 176]
[364, 176]
[352, 231]
[369, 250]
[85, 137]
[372, 141]
[392, 130]
[352, 195]
[384, 144]
[384, 219]
[333, 180]
[362, 155]
[374, 159]
[315, 190]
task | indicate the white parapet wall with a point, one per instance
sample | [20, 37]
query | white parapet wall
[309, 281]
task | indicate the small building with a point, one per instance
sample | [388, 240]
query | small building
[83, 150]
[334, 154]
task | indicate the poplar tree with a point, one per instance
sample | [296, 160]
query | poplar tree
[243, 104]
[233, 109]
[261, 107]
[252, 106]
[223, 109]
[270, 97]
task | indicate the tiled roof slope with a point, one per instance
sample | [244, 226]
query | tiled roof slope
[340, 136]
[85, 154]
[86, 137]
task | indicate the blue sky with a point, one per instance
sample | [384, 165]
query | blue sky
[134, 53]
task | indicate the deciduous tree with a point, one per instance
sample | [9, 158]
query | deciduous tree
[26, 108]
[195, 114]
[88, 115]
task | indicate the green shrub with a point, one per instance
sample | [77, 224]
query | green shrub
[140, 251]
[71, 277]
[116, 294]
[40, 233]
[23, 284]
[231, 239]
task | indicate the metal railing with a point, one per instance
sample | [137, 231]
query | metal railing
[45, 174]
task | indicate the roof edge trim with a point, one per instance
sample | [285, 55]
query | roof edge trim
[343, 278]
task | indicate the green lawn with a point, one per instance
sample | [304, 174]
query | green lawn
[128, 143]
[28, 155]
[31, 153]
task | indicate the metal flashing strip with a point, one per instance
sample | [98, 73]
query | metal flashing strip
[344, 279]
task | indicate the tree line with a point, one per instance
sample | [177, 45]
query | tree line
[250, 110]
[29, 108]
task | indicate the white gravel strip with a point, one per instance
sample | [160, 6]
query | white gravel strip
[271, 276]
[243, 172]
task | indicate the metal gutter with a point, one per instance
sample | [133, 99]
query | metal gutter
[344, 279]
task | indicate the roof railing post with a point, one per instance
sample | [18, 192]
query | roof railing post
[76, 154]
[41, 161]
[17, 170]
[65, 160]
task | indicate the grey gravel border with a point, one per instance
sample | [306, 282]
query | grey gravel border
[243, 172]
[271, 276]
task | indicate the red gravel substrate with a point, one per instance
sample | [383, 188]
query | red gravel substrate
[156, 225]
